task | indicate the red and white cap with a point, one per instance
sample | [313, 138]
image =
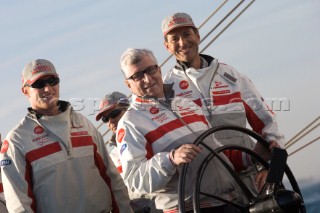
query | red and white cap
[176, 20]
[36, 69]
[110, 101]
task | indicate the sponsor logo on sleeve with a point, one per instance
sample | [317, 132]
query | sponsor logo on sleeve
[4, 147]
[121, 133]
[5, 162]
[123, 147]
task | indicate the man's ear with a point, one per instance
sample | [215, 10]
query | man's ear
[198, 35]
[127, 83]
[166, 45]
[25, 91]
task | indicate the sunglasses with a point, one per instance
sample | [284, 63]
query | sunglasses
[112, 114]
[140, 75]
[39, 84]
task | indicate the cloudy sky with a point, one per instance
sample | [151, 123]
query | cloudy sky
[275, 44]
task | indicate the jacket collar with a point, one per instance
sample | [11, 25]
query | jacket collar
[62, 106]
[180, 65]
[168, 93]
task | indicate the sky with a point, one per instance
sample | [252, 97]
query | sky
[275, 44]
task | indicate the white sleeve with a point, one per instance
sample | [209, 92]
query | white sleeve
[14, 175]
[143, 171]
[260, 117]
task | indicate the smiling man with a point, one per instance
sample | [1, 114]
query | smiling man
[226, 96]
[54, 160]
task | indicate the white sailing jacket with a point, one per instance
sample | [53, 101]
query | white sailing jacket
[227, 98]
[59, 164]
[146, 134]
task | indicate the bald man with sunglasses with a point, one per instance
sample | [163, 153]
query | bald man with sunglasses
[54, 160]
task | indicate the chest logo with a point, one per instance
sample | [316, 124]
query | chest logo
[38, 130]
[217, 83]
[154, 110]
[184, 84]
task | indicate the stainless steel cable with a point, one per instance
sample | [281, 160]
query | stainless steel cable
[236, 17]
[304, 146]
[303, 132]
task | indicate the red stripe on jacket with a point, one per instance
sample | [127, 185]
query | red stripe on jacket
[87, 141]
[256, 124]
[154, 135]
[33, 156]
[235, 157]
[227, 99]
[159, 132]
[55, 147]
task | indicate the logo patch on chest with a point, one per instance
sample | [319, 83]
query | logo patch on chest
[38, 130]
[183, 84]
[154, 110]
[41, 140]
[160, 118]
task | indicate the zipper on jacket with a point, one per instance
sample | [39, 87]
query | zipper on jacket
[168, 106]
[208, 106]
[67, 148]
[184, 68]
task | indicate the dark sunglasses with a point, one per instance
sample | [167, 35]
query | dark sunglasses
[39, 84]
[140, 75]
[112, 114]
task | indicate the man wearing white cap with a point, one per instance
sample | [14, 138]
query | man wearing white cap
[226, 96]
[54, 160]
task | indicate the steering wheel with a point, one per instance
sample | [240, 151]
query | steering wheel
[277, 200]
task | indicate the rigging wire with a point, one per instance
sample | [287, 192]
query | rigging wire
[221, 21]
[227, 26]
[304, 146]
[309, 128]
[301, 134]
